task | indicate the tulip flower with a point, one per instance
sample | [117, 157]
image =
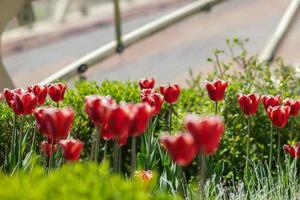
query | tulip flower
[99, 108]
[295, 106]
[71, 148]
[216, 89]
[46, 148]
[9, 95]
[155, 100]
[144, 176]
[24, 103]
[170, 93]
[294, 151]
[142, 113]
[146, 92]
[147, 83]
[181, 147]
[57, 91]
[206, 131]
[120, 121]
[249, 103]
[273, 101]
[54, 122]
[40, 92]
[279, 115]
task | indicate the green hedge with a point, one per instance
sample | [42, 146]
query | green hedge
[75, 181]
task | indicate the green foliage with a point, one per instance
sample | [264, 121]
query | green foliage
[75, 181]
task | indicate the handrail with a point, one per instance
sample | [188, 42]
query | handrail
[107, 50]
[267, 54]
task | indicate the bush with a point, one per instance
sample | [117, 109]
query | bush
[75, 181]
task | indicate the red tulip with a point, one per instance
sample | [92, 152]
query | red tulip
[72, 149]
[40, 92]
[120, 121]
[57, 91]
[273, 101]
[249, 103]
[142, 113]
[54, 122]
[295, 106]
[9, 95]
[170, 92]
[146, 92]
[181, 148]
[279, 115]
[24, 103]
[105, 132]
[46, 148]
[206, 131]
[294, 151]
[155, 100]
[99, 108]
[147, 83]
[216, 89]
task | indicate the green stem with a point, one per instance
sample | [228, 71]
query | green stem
[248, 150]
[57, 104]
[52, 154]
[120, 160]
[20, 141]
[105, 150]
[149, 146]
[170, 118]
[13, 141]
[278, 147]
[201, 176]
[133, 156]
[116, 157]
[292, 129]
[216, 108]
[97, 144]
[33, 138]
[180, 181]
[271, 148]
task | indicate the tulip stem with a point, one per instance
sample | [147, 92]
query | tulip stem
[271, 148]
[216, 108]
[149, 146]
[13, 141]
[97, 144]
[247, 150]
[292, 128]
[33, 138]
[278, 147]
[20, 141]
[120, 159]
[52, 154]
[180, 181]
[133, 156]
[105, 150]
[116, 157]
[57, 104]
[170, 118]
[201, 176]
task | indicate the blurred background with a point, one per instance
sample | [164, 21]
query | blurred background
[48, 35]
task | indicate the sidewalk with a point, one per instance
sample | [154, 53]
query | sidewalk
[48, 32]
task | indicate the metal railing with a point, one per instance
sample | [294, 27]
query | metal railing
[81, 65]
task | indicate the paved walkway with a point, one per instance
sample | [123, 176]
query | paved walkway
[168, 55]
[34, 65]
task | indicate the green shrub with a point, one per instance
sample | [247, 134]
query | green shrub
[75, 181]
